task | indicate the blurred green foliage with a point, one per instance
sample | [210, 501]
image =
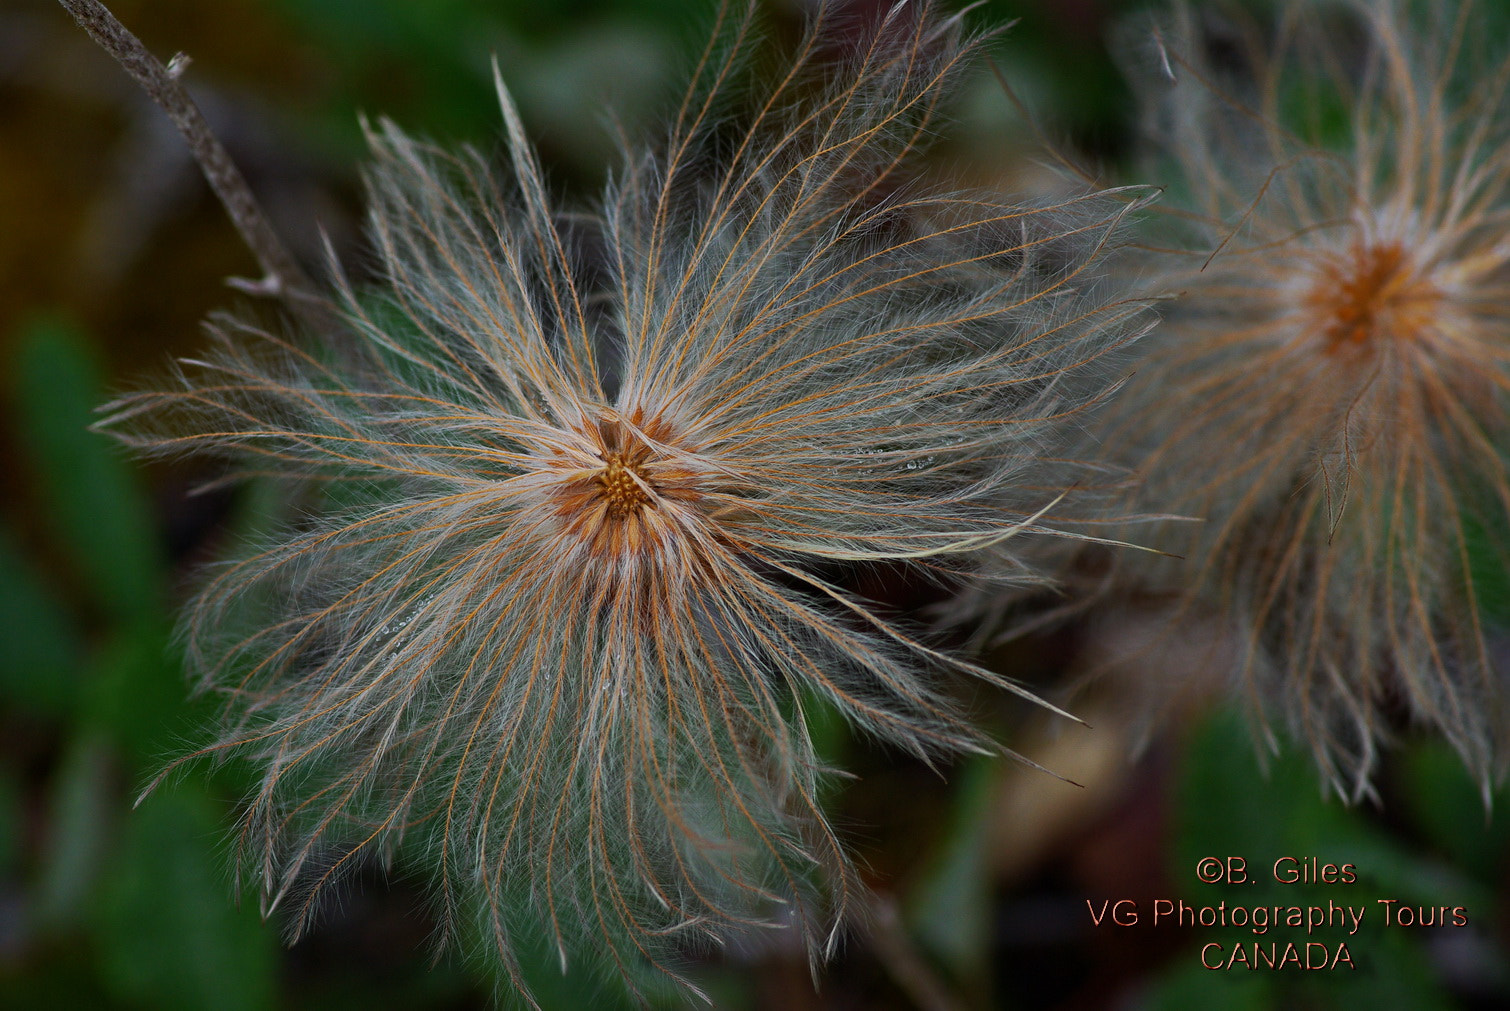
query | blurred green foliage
[120, 906]
[1229, 805]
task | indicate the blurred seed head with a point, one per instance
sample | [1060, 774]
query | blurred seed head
[591, 481]
[1329, 389]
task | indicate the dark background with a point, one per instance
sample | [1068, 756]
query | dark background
[112, 251]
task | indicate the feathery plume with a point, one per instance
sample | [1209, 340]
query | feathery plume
[1329, 389]
[591, 482]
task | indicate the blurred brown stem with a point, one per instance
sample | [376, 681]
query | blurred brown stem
[282, 276]
[903, 962]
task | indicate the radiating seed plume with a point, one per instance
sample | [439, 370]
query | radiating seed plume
[1328, 392]
[589, 483]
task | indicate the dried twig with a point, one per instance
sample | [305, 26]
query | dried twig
[283, 278]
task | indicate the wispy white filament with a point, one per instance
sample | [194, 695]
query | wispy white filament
[590, 483]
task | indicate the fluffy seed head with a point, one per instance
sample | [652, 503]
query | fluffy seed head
[586, 483]
[1329, 390]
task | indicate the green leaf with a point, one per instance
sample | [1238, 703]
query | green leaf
[80, 826]
[1190, 986]
[172, 937]
[1449, 808]
[950, 910]
[1230, 807]
[11, 825]
[135, 693]
[38, 665]
[88, 492]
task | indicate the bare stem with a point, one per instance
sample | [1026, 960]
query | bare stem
[282, 276]
[903, 962]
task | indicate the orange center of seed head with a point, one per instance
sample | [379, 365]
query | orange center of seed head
[629, 497]
[1371, 292]
[619, 486]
